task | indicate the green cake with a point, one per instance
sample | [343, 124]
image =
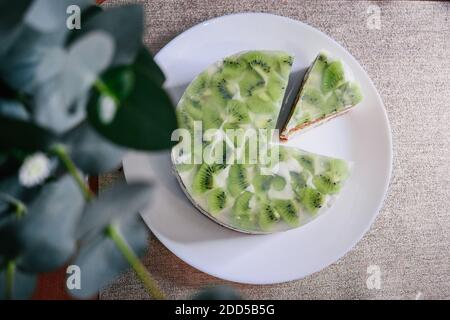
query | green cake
[244, 93]
[327, 91]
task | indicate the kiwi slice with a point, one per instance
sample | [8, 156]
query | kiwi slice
[193, 108]
[312, 200]
[306, 162]
[332, 104]
[237, 113]
[261, 103]
[264, 121]
[337, 168]
[211, 119]
[223, 87]
[237, 179]
[258, 61]
[276, 87]
[242, 214]
[216, 200]
[232, 67]
[299, 180]
[326, 183]
[203, 179]
[278, 182]
[333, 75]
[250, 82]
[320, 63]
[184, 120]
[283, 154]
[267, 217]
[288, 211]
[285, 64]
[313, 97]
[223, 163]
[261, 183]
[351, 93]
[199, 85]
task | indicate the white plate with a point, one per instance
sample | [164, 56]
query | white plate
[363, 136]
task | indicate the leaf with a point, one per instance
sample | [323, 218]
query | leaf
[64, 78]
[23, 135]
[100, 261]
[144, 119]
[19, 63]
[99, 258]
[217, 293]
[13, 109]
[51, 15]
[146, 65]
[125, 24]
[11, 14]
[24, 284]
[48, 231]
[91, 152]
[113, 205]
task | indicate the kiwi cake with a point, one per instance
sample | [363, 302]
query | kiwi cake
[327, 91]
[243, 92]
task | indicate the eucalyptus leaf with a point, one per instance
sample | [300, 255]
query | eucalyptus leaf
[18, 64]
[217, 293]
[23, 285]
[11, 186]
[24, 135]
[100, 261]
[144, 119]
[99, 258]
[64, 76]
[48, 231]
[13, 109]
[11, 14]
[145, 64]
[91, 152]
[125, 24]
[112, 206]
[51, 15]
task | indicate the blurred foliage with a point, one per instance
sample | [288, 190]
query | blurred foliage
[79, 99]
[52, 83]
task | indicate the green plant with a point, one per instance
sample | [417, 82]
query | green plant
[71, 103]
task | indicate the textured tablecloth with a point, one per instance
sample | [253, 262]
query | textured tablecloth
[408, 58]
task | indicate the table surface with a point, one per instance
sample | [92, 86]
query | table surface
[408, 58]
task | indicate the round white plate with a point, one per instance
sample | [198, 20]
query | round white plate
[363, 136]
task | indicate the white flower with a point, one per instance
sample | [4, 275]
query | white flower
[34, 170]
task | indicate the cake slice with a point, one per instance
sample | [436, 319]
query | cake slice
[327, 91]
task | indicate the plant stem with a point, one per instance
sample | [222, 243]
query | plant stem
[134, 261]
[10, 272]
[61, 153]
[104, 89]
[20, 209]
